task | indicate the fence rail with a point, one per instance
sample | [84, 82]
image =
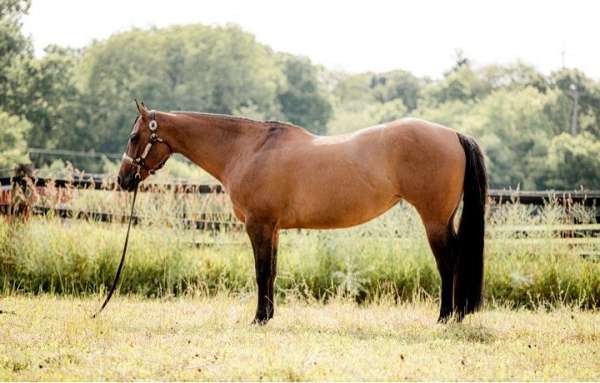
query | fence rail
[538, 198]
[96, 182]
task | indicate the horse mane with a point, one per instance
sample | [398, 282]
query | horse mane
[266, 123]
[213, 115]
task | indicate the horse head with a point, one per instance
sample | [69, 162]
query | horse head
[146, 150]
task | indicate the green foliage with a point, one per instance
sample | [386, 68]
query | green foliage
[574, 161]
[462, 84]
[588, 93]
[368, 88]
[513, 76]
[397, 84]
[43, 90]
[14, 8]
[301, 100]
[367, 99]
[450, 113]
[211, 69]
[15, 53]
[514, 111]
[52, 102]
[13, 147]
[514, 130]
[356, 116]
[390, 111]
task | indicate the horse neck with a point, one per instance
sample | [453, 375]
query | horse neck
[212, 142]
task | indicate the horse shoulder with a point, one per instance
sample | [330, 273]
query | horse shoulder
[256, 184]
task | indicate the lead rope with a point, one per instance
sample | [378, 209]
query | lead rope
[118, 275]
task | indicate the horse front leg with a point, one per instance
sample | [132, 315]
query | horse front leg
[264, 238]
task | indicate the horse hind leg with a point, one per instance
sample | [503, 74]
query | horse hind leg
[442, 240]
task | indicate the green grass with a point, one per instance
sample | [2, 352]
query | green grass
[52, 338]
[387, 257]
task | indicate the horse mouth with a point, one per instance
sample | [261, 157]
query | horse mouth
[132, 186]
[128, 183]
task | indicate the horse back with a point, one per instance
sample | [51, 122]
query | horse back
[312, 181]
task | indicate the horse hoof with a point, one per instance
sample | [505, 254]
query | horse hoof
[260, 321]
[443, 319]
[445, 316]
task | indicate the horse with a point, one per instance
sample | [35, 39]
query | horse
[280, 176]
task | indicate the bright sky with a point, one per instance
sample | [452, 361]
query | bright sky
[355, 36]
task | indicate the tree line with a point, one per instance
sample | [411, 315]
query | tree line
[83, 99]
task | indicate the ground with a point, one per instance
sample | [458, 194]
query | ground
[54, 338]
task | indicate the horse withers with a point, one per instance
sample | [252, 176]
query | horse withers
[280, 176]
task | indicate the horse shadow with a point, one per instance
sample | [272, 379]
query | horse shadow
[466, 332]
[474, 333]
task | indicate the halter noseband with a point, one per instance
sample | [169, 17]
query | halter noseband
[140, 162]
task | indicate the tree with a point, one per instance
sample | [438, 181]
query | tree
[588, 116]
[301, 99]
[14, 8]
[397, 84]
[451, 113]
[460, 84]
[195, 67]
[13, 147]
[50, 100]
[15, 51]
[513, 76]
[573, 162]
[514, 131]
[354, 89]
[389, 111]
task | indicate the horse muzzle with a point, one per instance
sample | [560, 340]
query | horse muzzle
[128, 182]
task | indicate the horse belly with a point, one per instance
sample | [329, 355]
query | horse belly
[332, 206]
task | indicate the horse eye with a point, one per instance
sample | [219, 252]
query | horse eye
[133, 138]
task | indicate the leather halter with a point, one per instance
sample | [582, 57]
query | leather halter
[140, 162]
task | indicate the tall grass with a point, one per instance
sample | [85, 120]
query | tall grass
[386, 257]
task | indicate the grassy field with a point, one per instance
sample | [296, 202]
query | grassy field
[386, 257]
[353, 304]
[52, 338]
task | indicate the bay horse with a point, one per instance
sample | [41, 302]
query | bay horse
[280, 176]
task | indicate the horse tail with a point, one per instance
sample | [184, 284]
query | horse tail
[468, 274]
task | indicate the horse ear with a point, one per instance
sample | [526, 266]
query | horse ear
[138, 106]
[141, 108]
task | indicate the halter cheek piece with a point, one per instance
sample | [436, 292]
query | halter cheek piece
[140, 162]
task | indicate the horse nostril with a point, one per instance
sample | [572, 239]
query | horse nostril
[119, 180]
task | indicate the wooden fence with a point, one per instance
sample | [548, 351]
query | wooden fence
[208, 222]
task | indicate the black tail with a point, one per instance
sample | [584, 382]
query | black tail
[468, 274]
